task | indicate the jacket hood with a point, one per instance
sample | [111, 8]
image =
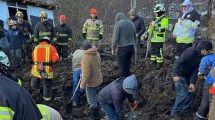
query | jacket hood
[91, 51]
[120, 16]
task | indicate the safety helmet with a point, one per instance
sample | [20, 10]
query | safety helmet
[92, 11]
[47, 39]
[43, 15]
[12, 22]
[62, 17]
[4, 59]
[19, 14]
[159, 7]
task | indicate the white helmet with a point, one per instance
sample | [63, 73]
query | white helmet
[4, 59]
[159, 7]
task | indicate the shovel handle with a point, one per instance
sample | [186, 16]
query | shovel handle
[75, 90]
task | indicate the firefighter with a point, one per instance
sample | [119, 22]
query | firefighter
[43, 29]
[158, 28]
[64, 36]
[44, 55]
[28, 32]
[93, 28]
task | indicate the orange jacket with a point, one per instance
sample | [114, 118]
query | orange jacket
[212, 89]
[47, 54]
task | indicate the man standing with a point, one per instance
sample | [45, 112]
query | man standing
[124, 36]
[4, 44]
[93, 28]
[206, 62]
[44, 29]
[44, 55]
[91, 77]
[64, 36]
[140, 29]
[157, 29]
[185, 28]
[184, 73]
[28, 32]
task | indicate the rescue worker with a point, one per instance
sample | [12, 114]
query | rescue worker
[112, 97]
[91, 77]
[206, 62]
[185, 70]
[44, 29]
[185, 28]
[28, 32]
[76, 67]
[44, 55]
[123, 41]
[64, 36]
[15, 102]
[211, 115]
[158, 28]
[93, 28]
[140, 29]
[16, 40]
[49, 113]
[4, 44]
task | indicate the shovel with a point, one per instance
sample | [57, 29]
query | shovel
[69, 104]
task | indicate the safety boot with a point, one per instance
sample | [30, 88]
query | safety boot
[95, 113]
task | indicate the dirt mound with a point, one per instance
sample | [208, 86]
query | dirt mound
[156, 93]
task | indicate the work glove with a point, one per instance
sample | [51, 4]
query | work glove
[84, 35]
[133, 106]
[81, 91]
[201, 76]
[100, 37]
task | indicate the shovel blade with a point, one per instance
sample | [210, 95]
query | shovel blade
[69, 107]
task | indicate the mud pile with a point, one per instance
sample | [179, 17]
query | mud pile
[156, 94]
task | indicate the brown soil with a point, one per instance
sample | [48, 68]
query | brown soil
[156, 93]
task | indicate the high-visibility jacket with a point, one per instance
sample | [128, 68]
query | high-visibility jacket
[64, 34]
[47, 54]
[15, 102]
[49, 113]
[26, 29]
[43, 29]
[159, 29]
[93, 28]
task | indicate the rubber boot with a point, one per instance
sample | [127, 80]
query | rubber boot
[95, 113]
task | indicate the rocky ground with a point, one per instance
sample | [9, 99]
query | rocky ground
[155, 95]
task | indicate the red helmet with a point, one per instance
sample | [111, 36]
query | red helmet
[92, 11]
[62, 17]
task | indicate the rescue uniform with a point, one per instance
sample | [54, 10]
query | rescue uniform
[27, 31]
[93, 29]
[49, 113]
[15, 102]
[158, 38]
[64, 36]
[44, 29]
[47, 55]
[185, 32]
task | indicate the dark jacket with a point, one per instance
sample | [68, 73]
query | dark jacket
[17, 99]
[140, 26]
[15, 38]
[44, 29]
[193, 16]
[26, 28]
[187, 65]
[4, 44]
[114, 94]
[64, 34]
[124, 33]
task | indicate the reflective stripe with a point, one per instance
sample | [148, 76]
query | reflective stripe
[54, 39]
[92, 28]
[47, 58]
[70, 39]
[184, 40]
[19, 82]
[58, 43]
[200, 116]
[44, 33]
[194, 25]
[63, 35]
[35, 40]
[44, 111]
[185, 29]
[92, 38]
[153, 57]
[6, 113]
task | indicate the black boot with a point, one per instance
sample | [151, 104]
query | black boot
[158, 66]
[95, 113]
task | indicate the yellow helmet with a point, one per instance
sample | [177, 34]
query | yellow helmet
[43, 14]
[12, 22]
[19, 14]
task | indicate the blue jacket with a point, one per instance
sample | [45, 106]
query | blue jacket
[207, 61]
[3, 41]
[15, 38]
[114, 94]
